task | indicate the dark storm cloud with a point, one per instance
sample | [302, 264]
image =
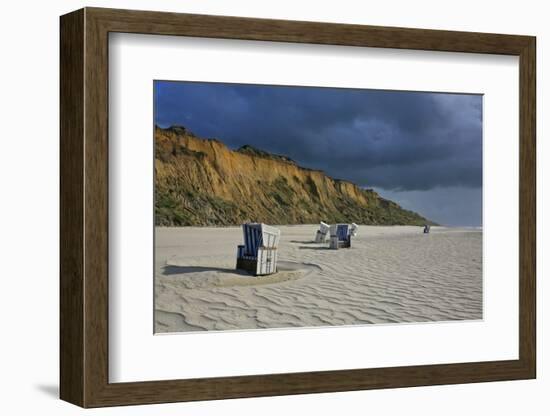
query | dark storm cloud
[388, 139]
[394, 140]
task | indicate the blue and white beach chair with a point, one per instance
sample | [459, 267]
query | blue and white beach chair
[321, 235]
[340, 236]
[258, 254]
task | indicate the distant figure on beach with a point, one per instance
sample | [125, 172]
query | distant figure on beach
[426, 229]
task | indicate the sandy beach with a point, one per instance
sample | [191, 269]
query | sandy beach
[389, 275]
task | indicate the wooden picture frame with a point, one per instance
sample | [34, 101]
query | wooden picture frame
[84, 207]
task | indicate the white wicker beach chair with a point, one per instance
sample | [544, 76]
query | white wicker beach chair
[321, 235]
[258, 254]
[340, 236]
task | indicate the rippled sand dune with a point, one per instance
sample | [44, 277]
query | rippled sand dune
[390, 275]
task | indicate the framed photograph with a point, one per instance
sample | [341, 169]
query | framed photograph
[255, 207]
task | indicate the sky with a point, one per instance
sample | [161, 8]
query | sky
[422, 150]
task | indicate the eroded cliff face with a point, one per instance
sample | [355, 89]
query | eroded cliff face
[203, 182]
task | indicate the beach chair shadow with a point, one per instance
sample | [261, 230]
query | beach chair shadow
[171, 270]
[303, 242]
[313, 248]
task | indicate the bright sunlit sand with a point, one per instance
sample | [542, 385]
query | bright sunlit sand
[391, 274]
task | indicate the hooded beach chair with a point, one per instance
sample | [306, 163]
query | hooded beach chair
[426, 228]
[340, 236]
[353, 229]
[321, 235]
[258, 254]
